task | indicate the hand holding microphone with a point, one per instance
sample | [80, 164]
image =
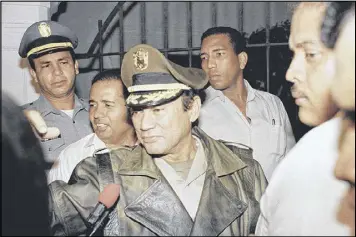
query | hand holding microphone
[107, 199]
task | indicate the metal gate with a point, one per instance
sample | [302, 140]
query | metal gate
[267, 44]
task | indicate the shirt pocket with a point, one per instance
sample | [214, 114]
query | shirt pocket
[277, 139]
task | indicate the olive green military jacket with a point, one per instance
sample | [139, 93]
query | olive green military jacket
[148, 205]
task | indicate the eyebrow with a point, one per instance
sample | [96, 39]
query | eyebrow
[306, 43]
[108, 101]
[63, 58]
[104, 101]
[214, 50]
[45, 62]
[60, 59]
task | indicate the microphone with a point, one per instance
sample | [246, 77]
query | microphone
[107, 199]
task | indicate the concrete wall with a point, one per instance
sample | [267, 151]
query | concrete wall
[15, 18]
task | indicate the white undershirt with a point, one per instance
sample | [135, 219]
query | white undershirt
[69, 112]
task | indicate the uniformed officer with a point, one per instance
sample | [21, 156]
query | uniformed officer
[178, 180]
[49, 48]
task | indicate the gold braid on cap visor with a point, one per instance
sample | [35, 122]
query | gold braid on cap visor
[49, 46]
[153, 96]
[157, 87]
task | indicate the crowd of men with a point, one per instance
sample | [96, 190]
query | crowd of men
[225, 165]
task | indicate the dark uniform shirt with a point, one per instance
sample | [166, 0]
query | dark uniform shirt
[72, 129]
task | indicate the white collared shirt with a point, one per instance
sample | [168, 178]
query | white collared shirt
[72, 155]
[303, 196]
[269, 134]
[189, 191]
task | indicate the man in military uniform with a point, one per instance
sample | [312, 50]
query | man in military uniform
[178, 180]
[49, 48]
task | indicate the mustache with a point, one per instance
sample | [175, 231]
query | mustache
[296, 93]
[99, 121]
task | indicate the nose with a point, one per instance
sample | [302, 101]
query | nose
[57, 69]
[147, 120]
[99, 112]
[211, 62]
[345, 168]
[295, 71]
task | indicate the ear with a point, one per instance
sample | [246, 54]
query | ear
[33, 74]
[243, 58]
[76, 67]
[194, 110]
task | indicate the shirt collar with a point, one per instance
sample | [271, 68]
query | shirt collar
[45, 107]
[212, 93]
[251, 93]
[197, 168]
[199, 165]
[95, 141]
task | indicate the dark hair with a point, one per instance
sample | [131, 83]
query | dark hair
[335, 15]
[24, 183]
[187, 98]
[110, 74]
[33, 56]
[237, 40]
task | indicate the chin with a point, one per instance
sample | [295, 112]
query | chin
[216, 84]
[309, 118]
[154, 149]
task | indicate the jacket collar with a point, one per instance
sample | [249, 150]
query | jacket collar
[214, 150]
[45, 107]
[136, 161]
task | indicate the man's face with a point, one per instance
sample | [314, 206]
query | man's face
[345, 170]
[344, 93]
[108, 112]
[163, 129]
[55, 74]
[343, 88]
[219, 61]
[312, 68]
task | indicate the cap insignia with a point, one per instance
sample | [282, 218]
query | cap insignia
[140, 58]
[44, 29]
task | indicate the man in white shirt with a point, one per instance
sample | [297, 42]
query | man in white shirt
[233, 111]
[303, 195]
[110, 121]
[339, 22]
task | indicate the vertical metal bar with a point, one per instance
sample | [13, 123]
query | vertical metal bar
[268, 46]
[240, 6]
[121, 33]
[190, 31]
[101, 61]
[213, 14]
[165, 27]
[143, 22]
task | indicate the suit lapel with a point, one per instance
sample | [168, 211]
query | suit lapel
[216, 199]
[160, 210]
